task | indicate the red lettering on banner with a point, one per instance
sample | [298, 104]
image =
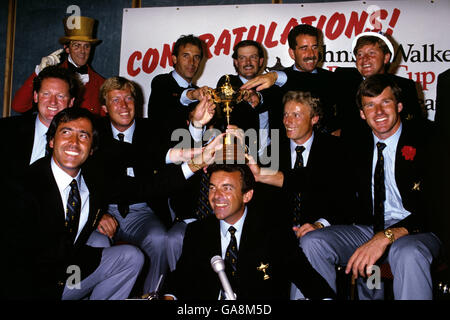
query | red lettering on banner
[309, 20]
[424, 78]
[152, 55]
[251, 33]
[208, 38]
[260, 36]
[393, 22]
[333, 27]
[239, 32]
[331, 68]
[137, 55]
[292, 23]
[166, 56]
[331, 31]
[356, 24]
[269, 43]
[375, 22]
[261, 31]
[224, 42]
[321, 22]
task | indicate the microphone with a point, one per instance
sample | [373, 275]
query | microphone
[219, 266]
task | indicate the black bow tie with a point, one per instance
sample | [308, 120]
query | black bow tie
[80, 70]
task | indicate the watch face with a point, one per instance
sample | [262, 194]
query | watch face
[388, 233]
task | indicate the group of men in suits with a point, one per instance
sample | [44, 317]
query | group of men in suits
[141, 188]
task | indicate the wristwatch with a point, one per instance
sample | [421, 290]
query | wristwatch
[319, 225]
[390, 235]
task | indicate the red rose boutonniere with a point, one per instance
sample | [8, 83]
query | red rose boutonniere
[408, 152]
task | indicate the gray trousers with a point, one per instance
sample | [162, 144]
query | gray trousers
[175, 237]
[409, 257]
[113, 279]
[144, 229]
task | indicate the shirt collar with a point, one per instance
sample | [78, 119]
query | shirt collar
[307, 144]
[244, 80]
[296, 69]
[392, 141]
[180, 80]
[41, 129]
[69, 58]
[238, 225]
[127, 133]
[63, 179]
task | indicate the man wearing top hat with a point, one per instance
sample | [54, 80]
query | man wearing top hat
[77, 44]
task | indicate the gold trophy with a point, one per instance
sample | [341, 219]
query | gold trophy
[227, 96]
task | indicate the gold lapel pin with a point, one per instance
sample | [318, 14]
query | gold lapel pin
[416, 186]
[263, 268]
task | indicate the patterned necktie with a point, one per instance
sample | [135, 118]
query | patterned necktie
[73, 210]
[203, 208]
[231, 253]
[230, 260]
[297, 198]
[123, 206]
[379, 190]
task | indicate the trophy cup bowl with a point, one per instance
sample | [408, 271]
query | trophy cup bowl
[227, 96]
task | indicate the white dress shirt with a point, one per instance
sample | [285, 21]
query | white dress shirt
[63, 181]
[127, 137]
[263, 132]
[225, 236]
[184, 100]
[393, 205]
[40, 140]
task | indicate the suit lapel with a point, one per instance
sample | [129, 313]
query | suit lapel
[48, 192]
[95, 212]
[26, 138]
[366, 165]
[405, 167]
[248, 240]
[285, 154]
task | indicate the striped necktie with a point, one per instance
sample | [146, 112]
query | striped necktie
[297, 198]
[379, 190]
[73, 210]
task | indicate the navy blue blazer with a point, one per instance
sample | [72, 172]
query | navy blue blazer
[323, 183]
[263, 240]
[16, 145]
[54, 249]
[410, 175]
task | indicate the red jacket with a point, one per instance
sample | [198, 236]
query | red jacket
[88, 98]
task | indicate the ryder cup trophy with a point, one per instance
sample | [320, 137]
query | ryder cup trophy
[227, 96]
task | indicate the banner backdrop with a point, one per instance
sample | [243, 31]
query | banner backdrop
[419, 30]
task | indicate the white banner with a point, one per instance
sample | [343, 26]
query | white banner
[420, 30]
